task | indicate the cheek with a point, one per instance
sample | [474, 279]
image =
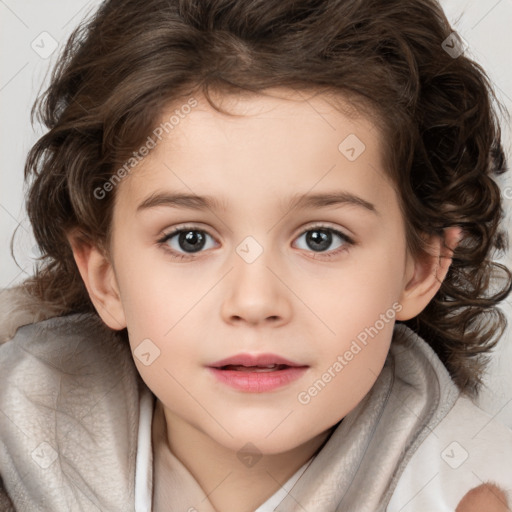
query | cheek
[347, 369]
[166, 357]
[366, 286]
[152, 295]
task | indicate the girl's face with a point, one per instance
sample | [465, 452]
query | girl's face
[292, 246]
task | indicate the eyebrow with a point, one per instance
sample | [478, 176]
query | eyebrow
[304, 201]
[339, 198]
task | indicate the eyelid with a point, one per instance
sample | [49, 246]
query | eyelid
[184, 227]
[326, 225]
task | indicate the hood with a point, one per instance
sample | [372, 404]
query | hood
[69, 416]
[17, 308]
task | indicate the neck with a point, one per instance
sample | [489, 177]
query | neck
[232, 481]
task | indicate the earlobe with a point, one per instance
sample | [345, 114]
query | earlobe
[425, 275]
[100, 280]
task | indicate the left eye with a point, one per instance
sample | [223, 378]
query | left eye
[320, 239]
[188, 240]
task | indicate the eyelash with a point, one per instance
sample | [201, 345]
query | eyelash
[323, 254]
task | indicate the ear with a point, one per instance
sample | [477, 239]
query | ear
[424, 276]
[100, 280]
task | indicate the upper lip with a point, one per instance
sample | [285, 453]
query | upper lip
[254, 360]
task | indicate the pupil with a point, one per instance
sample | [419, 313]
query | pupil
[321, 238]
[191, 241]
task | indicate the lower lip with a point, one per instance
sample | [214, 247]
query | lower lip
[258, 382]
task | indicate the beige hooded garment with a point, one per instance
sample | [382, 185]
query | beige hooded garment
[69, 418]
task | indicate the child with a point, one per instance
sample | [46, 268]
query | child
[257, 371]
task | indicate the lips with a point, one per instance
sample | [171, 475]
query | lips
[255, 360]
[256, 373]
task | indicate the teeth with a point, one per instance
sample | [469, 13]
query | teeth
[270, 368]
[257, 369]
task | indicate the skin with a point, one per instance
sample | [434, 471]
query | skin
[484, 497]
[292, 300]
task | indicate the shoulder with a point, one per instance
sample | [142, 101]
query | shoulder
[69, 399]
[64, 346]
[35, 339]
[58, 360]
[468, 450]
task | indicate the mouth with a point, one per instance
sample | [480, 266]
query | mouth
[256, 373]
[258, 369]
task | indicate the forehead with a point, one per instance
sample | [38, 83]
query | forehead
[280, 141]
[298, 110]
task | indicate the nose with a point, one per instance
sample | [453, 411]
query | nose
[255, 293]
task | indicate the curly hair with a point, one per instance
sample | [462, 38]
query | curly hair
[389, 58]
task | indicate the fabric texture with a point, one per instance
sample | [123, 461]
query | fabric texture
[70, 415]
[69, 429]
[5, 502]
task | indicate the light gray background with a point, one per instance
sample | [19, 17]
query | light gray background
[29, 28]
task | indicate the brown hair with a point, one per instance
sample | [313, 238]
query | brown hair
[390, 58]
